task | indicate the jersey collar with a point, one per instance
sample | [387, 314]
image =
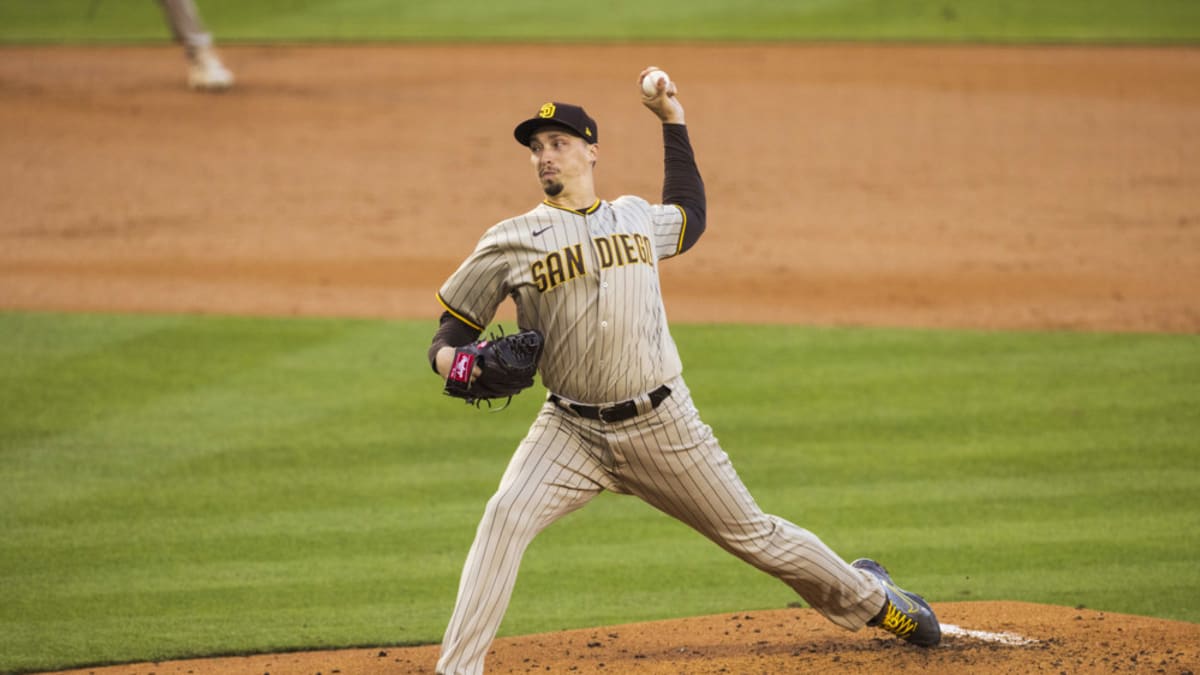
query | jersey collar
[583, 212]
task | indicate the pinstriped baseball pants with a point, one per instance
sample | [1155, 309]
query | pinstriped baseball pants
[185, 24]
[668, 458]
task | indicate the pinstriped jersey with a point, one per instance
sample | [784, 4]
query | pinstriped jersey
[588, 280]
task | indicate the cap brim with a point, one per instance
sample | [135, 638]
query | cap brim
[525, 130]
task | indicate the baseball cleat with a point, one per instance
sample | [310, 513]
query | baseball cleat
[905, 615]
[207, 73]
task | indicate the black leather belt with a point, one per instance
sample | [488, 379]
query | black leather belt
[617, 412]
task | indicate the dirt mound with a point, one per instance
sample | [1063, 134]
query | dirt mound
[980, 637]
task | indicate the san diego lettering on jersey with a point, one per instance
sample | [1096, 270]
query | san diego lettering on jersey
[568, 264]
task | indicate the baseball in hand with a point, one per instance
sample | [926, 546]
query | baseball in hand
[650, 82]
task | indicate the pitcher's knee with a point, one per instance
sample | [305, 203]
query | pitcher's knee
[756, 545]
[505, 512]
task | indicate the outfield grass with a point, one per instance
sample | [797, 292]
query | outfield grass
[183, 485]
[1117, 21]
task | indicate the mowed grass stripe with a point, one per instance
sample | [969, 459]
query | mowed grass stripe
[204, 485]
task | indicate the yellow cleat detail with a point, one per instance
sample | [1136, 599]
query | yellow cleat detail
[897, 622]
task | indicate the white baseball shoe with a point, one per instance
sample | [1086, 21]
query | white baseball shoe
[207, 73]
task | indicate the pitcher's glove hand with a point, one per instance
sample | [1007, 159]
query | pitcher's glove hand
[507, 364]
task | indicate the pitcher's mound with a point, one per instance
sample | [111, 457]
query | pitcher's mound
[979, 637]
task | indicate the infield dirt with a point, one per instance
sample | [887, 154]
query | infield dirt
[967, 187]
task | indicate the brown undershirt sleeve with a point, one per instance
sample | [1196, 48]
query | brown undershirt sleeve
[682, 184]
[451, 332]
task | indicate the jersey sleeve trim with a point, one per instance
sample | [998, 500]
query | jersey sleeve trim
[458, 315]
[682, 228]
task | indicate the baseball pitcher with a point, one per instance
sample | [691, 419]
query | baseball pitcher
[583, 273]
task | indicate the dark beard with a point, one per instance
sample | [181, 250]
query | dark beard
[552, 189]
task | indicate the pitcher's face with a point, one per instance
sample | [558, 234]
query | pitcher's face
[561, 159]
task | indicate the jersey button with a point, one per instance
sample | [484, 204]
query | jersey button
[604, 324]
[604, 284]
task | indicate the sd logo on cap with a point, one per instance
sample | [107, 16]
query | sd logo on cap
[569, 117]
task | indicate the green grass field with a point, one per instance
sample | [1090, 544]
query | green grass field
[182, 485]
[1116, 21]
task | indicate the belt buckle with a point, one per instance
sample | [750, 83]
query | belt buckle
[610, 414]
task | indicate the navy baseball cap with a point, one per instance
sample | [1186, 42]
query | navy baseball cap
[570, 117]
